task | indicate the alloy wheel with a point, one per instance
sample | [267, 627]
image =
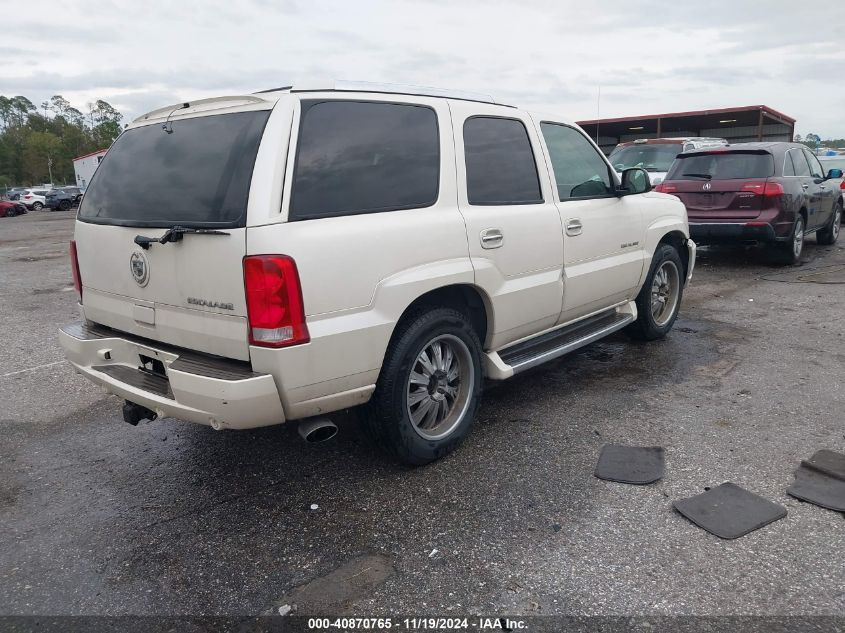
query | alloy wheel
[665, 290]
[440, 386]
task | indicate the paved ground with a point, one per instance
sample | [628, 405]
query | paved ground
[171, 518]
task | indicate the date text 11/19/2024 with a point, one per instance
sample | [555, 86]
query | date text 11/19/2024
[417, 624]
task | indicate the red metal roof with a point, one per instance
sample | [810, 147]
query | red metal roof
[765, 109]
[99, 151]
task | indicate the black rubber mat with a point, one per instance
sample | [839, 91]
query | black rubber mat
[729, 511]
[638, 465]
[821, 480]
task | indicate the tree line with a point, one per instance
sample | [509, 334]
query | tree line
[814, 140]
[38, 143]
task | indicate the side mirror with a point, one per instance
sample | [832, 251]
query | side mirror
[834, 173]
[634, 180]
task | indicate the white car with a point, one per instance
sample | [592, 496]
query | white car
[352, 245]
[656, 155]
[34, 199]
[834, 162]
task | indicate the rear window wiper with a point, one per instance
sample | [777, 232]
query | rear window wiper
[707, 176]
[173, 234]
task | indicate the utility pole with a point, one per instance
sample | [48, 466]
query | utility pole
[50, 168]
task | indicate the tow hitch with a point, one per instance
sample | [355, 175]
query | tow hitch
[134, 413]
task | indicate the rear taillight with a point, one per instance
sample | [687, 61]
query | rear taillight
[74, 267]
[842, 185]
[274, 301]
[665, 188]
[27, 197]
[764, 188]
[773, 189]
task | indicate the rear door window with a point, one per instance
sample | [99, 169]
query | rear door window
[815, 165]
[196, 172]
[364, 157]
[500, 164]
[580, 172]
[799, 163]
[788, 167]
[722, 166]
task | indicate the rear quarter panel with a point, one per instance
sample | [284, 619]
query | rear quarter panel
[358, 272]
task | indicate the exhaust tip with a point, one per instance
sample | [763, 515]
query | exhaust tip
[317, 430]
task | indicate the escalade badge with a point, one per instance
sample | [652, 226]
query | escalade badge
[140, 268]
[706, 186]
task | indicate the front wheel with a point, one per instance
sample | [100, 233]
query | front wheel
[660, 298]
[429, 387]
[64, 205]
[830, 233]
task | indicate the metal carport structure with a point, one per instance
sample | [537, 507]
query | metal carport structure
[737, 125]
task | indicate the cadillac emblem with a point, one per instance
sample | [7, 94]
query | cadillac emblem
[140, 268]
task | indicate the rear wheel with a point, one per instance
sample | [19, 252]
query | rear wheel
[37, 206]
[830, 233]
[64, 205]
[790, 251]
[660, 298]
[429, 387]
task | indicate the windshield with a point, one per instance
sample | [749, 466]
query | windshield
[649, 157]
[723, 166]
[194, 173]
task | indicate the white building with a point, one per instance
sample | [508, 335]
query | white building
[85, 166]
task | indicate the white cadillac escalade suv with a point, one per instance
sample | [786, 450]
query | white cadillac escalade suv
[249, 260]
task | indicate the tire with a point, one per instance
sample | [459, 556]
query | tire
[664, 286]
[405, 417]
[789, 252]
[37, 206]
[64, 205]
[829, 234]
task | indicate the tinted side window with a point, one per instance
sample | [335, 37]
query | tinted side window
[788, 167]
[499, 162]
[799, 162]
[363, 157]
[815, 166]
[580, 172]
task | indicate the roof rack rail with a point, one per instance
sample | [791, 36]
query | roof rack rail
[387, 88]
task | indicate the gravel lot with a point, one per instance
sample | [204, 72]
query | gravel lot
[99, 517]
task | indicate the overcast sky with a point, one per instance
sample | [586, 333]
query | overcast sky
[648, 57]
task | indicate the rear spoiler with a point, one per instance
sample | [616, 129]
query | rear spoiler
[722, 150]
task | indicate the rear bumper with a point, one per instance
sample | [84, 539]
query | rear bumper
[196, 387]
[716, 232]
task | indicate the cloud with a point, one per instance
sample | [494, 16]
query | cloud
[550, 55]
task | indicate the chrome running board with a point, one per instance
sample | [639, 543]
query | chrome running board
[567, 339]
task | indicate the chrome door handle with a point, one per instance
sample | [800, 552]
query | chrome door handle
[492, 238]
[805, 186]
[574, 227]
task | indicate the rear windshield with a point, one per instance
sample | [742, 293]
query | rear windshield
[657, 157]
[722, 166]
[196, 172]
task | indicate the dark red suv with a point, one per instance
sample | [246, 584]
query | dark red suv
[758, 192]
